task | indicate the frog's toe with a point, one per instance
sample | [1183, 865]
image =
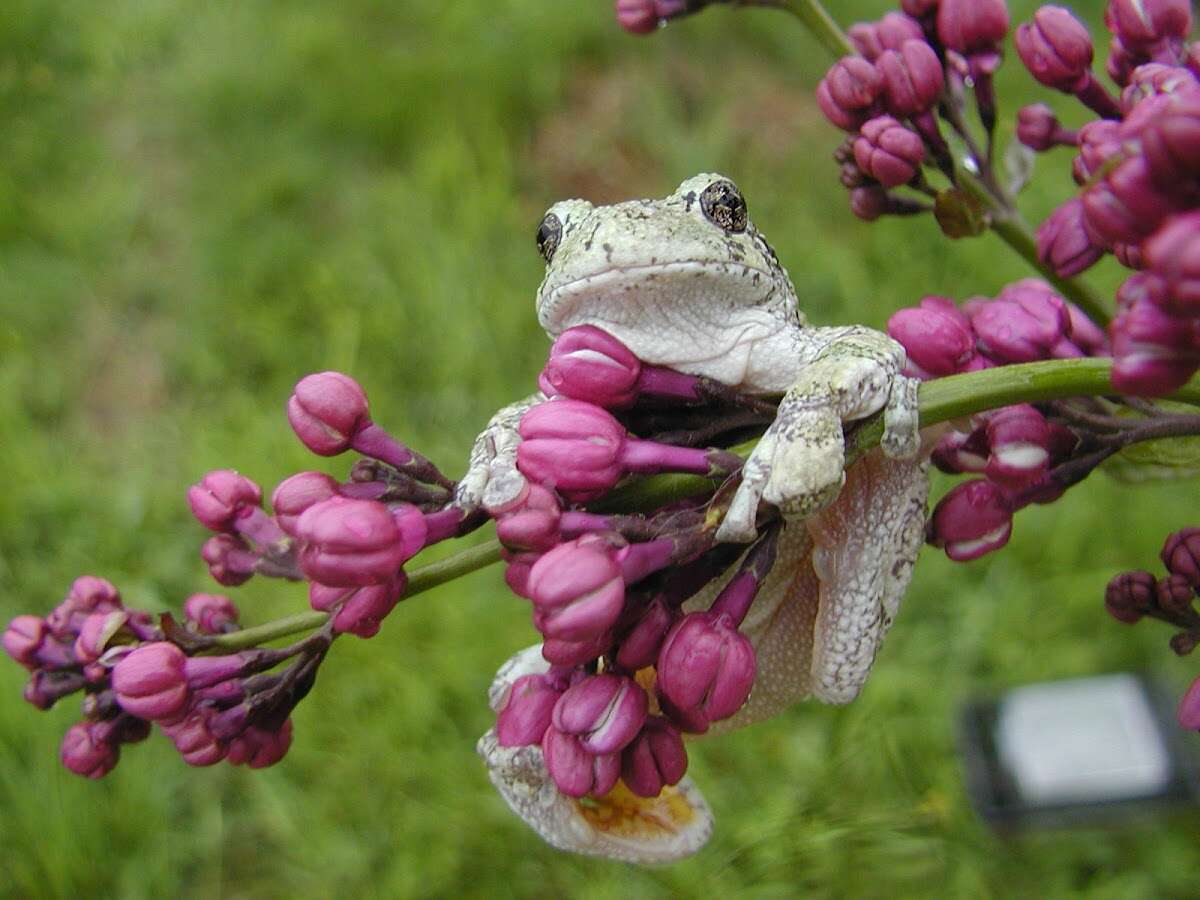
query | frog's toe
[738, 526]
[504, 484]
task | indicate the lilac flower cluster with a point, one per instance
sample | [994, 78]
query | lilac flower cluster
[1132, 596]
[1138, 168]
[131, 675]
[1022, 455]
[630, 671]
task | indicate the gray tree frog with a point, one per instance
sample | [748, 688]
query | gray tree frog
[687, 282]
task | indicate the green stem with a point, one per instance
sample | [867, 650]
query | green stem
[817, 21]
[941, 400]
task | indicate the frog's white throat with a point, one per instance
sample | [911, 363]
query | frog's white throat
[727, 321]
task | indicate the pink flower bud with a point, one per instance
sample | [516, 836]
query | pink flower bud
[1038, 128]
[1189, 707]
[936, 340]
[974, 518]
[151, 682]
[1124, 206]
[1099, 141]
[1085, 333]
[849, 93]
[1063, 243]
[211, 613]
[577, 589]
[1154, 352]
[194, 740]
[257, 748]
[1056, 49]
[640, 647]
[526, 710]
[972, 26]
[589, 364]
[1173, 254]
[870, 202]
[637, 16]
[873, 38]
[22, 639]
[1174, 594]
[363, 609]
[889, 152]
[1150, 81]
[88, 749]
[576, 772]
[354, 542]
[1023, 324]
[98, 629]
[1171, 145]
[656, 758]
[1181, 554]
[605, 711]
[296, 494]
[912, 78]
[706, 667]
[88, 594]
[1018, 438]
[1129, 595]
[957, 452]
[230, 561]
[531, 522]
[1140, 24]
[576, 653]
[573, 446]
[218, 497]
[325, 410]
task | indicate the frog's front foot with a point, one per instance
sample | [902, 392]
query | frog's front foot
[492, 479]
[799, 465]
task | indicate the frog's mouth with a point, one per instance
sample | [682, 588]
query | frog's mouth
[700, 317]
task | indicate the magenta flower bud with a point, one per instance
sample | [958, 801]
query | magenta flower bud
[972, 26]
[1099, 141]
[1153, 351]
[589, 364]
[1181, 554]
[1189, 707]
[637, 16]
[849, 93]
[974, 518]
[919, 9]
[1038, 128]
[325, 410]
[296, 494]
[912, 78]
[1140, 24]
[98, 629]
[352, 542]
[1155, 80]
[1063, 243]
[218, 497]
[531, 522]
[1173, 254]
[1085, 333]
[1018, 439]
[194, 739]
[88, 594]
[706, 666]
[640, 647]
[1174, 594]
[1125, 206]
[578, 590]
[936, 340]
[257, 748]
[151, 682]
[364, 608]
[1023, 324]
[655, 759]
[576, 653]
[525, 711]
[1130, 595]
[1171, 145]
[576, 772]
[22, 639]
[889, 152]
[957, 452]
[604, 711]
[872, 38]
[516, 572]
[1056, 49]
[88, 749]
[230, 561]
[211, 613]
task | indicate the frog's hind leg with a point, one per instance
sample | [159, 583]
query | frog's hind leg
[865, 544]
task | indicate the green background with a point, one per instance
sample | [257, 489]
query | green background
[200, 203]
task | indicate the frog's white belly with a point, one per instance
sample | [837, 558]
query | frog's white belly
[716, 320]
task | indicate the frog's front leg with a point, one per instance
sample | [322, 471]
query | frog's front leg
[492, 478]
[799, 464]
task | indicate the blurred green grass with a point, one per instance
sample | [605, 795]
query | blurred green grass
[201, 203]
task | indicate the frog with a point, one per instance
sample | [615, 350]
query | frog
[689, 283]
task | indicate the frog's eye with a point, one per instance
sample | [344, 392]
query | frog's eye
[723, 205]
[549, 233]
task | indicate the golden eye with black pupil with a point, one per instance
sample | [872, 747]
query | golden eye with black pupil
[549, 233]
[723, 205]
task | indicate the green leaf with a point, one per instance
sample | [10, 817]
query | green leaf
[960, 214]
[1160, 460]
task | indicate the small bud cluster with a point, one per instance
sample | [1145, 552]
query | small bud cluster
[1022, 456]
[1132, 596]
[630, 670]
[1138, 168]
[133, 672]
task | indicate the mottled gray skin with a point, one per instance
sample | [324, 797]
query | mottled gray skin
[683, 292]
